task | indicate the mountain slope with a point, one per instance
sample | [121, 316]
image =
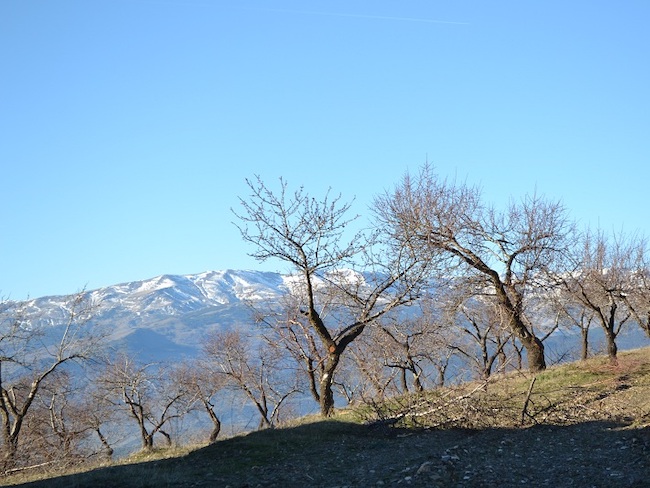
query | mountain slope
[169, 315]
[588, 426]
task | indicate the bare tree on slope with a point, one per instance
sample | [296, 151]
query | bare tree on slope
[504, 252]
[32, 351]
[308, 234]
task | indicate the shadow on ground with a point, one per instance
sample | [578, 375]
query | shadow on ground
[336, 454]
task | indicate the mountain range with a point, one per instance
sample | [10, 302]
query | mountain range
[167, 317]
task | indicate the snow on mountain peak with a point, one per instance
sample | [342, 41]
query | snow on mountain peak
[229, 285]
[181, 307]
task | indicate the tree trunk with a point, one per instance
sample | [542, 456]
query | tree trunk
[584, 355]
[215, 432]
[417, 384]
[261, 407]
[489, 366]
[327, 379]
[405, 386]
[147, 442]
[501, 355]
[532, 344]
[442, 374]
[612, 348]
[168, 438]
[610, 333]
[106, 447]
[9, 456]
[311, 375]
[216, 424]
[535, 354]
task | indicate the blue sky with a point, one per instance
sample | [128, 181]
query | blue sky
[128, 127]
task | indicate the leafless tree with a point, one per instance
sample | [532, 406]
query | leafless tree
[32, 351]
[286, 328]
[575, 316]
[364, 373]
[61, 425]
[254, 368]
[308, 234]
[413, 344]
[64, 429]
[505, 252]
[399, 353]
[481, 334]
[203, 386]
[147, 394]
[97, 412]
[602, 283]
[638, 300]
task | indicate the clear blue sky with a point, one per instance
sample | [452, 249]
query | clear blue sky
[127, 127]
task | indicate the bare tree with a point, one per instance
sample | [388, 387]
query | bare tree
[638, 301]
[576, 316]
[603, 280]
[31, 351]
[203, 386]
[288, 329]
[253, 368]
[61, 426]
[65, 431]
[481, 334]
[308, 234]
[146, 392]
[505, 252]
[363, 374]
[97, 412]
[413, 343]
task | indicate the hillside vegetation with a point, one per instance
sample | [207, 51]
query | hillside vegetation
[584, 424]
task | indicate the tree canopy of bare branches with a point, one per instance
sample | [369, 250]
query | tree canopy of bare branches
[252, 367]
[32, 352]
[148, 393]
[309, 235]
[605, 285]
[506, 252]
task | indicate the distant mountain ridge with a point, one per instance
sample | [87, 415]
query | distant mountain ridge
[169, 315]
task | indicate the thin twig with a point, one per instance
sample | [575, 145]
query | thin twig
[524, 410]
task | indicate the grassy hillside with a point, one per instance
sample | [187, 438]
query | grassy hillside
[582, 424]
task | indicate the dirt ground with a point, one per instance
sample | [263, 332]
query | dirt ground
[593, 454]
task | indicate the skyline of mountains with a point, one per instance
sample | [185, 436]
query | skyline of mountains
[168, 316]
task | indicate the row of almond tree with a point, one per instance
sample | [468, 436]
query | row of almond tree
[446, 287]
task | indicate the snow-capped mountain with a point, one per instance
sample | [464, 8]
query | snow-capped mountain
[168, 316]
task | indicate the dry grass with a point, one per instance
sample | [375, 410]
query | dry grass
[567, 394]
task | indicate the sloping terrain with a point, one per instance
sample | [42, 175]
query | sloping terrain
[582, 424]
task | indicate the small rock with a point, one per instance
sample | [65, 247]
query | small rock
[449, 458]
